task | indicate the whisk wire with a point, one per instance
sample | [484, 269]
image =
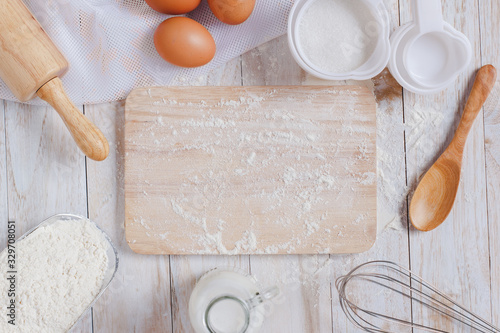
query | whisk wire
[355, 309]
[422, 293]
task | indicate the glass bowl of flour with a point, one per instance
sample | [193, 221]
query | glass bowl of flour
[61, 268]
[340, 39]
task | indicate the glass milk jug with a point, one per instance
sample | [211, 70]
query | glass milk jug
[227, 301]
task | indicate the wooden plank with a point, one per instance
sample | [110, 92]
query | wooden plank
[392, 240]
[4, 208]
[272, 64]
[454, 257]
[138, 297]
[492, 151]
[304, 304]
[298, 311]
[46, 171]
[129, 313]
[301, 288]
[265, 170]
[185, 270]
[490, 52]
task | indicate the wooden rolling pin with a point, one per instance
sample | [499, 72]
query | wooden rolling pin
[30, 65]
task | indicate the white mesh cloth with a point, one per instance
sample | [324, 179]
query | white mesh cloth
[109, 43]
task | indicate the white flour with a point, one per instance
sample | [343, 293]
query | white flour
[335, 34]
[60, 270]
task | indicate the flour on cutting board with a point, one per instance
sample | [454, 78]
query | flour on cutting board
[249, 165]
[391, 177]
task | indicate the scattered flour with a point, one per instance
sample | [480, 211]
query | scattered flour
[292, 177]
[392, 134]
[60, 270]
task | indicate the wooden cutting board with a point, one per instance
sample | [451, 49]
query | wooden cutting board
[250, 170]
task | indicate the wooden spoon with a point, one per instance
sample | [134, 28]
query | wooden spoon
[436, 192]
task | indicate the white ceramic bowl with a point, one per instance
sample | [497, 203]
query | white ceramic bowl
[373, 66]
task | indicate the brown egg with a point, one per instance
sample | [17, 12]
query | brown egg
[232, 11]
[184, 42]
[173, 7]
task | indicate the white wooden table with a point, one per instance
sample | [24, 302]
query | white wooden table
[42, 173]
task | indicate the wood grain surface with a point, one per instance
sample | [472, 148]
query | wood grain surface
[490, 54]
[277, 169]
[194, 267]
[129, 304]
[4, 210]
[455, 256]
[45, 176]
[304, 281]
[150, 293]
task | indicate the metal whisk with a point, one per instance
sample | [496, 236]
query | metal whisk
[421, 308]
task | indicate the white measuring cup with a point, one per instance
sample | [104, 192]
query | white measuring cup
[428, 54]
[434, 56]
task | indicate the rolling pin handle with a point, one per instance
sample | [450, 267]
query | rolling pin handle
[86, 135]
